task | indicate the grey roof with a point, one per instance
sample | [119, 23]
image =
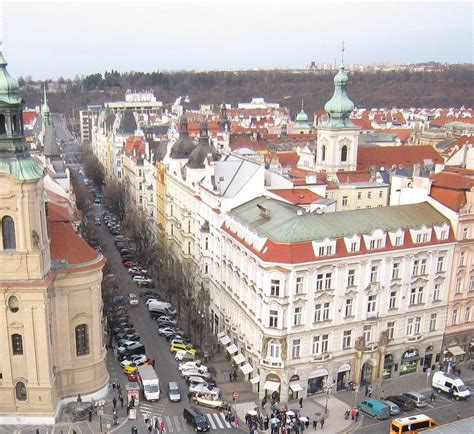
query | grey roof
[128, 124]
[183, 147]
[161, 130]
[458, 427]
[232, 174]
[286, 226]
[446, 143]
[50, 145]
[377, 137]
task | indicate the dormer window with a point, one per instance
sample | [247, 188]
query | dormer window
[376, 244]
[325, 250]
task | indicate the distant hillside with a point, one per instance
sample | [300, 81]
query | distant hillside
[450, 88]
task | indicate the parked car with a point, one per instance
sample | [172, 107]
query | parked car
[163, 330]
[449, 383]
[200, 380]
[196, 364]
[180, 340]
[404, 403]
[133, 300]
[133, 359]
[166, 318]
[174, 394]
[183, 355]
[127, 337]
[418, 398]
[147, 283]
[205, 388]
[394, 408]
[185, 373]
[125, 345]
[177, 347]
[142, 279]
[375, 408]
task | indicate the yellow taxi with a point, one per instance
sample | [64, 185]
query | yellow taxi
[176, 347]
[133, 367]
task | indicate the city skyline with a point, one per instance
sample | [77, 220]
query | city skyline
[72, 38]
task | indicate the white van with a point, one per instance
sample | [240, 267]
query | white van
[451, 384]
[161, 307]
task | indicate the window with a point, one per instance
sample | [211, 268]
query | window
[189, 247]
[299, 285]
[348, 308]
[273, 319]
[392, 301]
[369, 195]
[440, 264]
[324, 343]
[462, 256]
[410, 327]
[297, 316]
[471, 283]
[417, 325]
[467, 314]
[321, 312]
[325, 250]
[20, 391]
[17, 344]
[391, 329]
[436, 292]
[359, 195]
[275, 288]
[367, 331]
[380, 194]
[354, 246]
[458, 286]
[206, 243]
[371, 303]
[422, 238]
[3, 125]
[13, 304]
[416, 295]
[376, 244]
[455, 317]
[351, 277]
[8, 233]
[274, 349]
[295, 348]
[82, 340]
[323, 281]
[344, 200]
[374, 271]
[346, 339]
[396, 270]
[465, 233]
[433, 318]
[323, 153]
[344, 153]
[320, 344]
[398, 240]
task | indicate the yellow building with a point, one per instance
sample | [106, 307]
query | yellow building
[51, 320]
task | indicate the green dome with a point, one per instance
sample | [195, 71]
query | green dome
[339, 107]
[8, 85]
[302, 116]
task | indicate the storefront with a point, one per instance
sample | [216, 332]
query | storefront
[272, 387]
[343, 376]
[294, 387]
[387, 366]
[316, 381]
[428, 358]
[409, 361]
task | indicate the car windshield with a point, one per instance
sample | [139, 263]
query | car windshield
[152, 388]
[174, 391]
[201, 420]
[462, 388]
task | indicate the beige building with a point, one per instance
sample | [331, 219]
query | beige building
[51, 306]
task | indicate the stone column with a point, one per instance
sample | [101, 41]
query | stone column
[30, 343]
[5, 361]
[382, 351]
[357, 367]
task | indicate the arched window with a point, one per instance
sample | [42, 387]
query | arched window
[82, 340]
[17, 344]
[323, 153]
[344, 153]
[8, 232]
[3, 127]
[20, 391]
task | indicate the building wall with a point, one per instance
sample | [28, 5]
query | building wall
[351, 197]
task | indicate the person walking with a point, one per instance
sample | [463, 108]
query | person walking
[382, 395]
[121, 400]
[370, 391]
[357, 415]
[115, 417]
[230, 377]
[134, 430]
[162, 427]
[301, 402]
[432, 398]
[321, 422]
[366, 390]
[90, 415]
[315, 424]
[114, 402]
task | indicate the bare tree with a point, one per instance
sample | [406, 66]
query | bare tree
[115, 198]
[93, 168]
[82, 194]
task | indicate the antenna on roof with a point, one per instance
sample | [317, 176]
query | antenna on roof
[342, 54]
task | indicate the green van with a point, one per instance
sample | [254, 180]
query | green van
[375, 408]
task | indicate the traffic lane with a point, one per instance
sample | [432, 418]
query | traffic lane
[443, 411]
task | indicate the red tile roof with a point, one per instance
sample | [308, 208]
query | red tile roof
[359, 176]
[450, 189]
[297, 196]
[67, 245]
[240, 141]
[135, 146]
[403, 134]
[57, 213]
[285, 158]
[390, 156]
[364, 123]
[29, 117]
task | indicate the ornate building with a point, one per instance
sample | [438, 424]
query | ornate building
[51, 305]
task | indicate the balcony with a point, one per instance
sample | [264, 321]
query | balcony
[415, 338]
[321, 357]
[271, 363]
[372, 315]
[371, 347]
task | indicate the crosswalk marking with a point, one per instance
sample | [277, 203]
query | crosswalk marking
[211, 420]
[218, 421]
[169, 424]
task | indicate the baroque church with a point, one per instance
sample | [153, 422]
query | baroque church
[51, 322]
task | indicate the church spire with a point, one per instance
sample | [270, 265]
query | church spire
[45, 108]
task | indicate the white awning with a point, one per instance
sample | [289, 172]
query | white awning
[295, 387]
[255, 380]
[224, 340]
[246, 369]
[221, 334]
[273, 386]
[231, 349]
[456, 350]
[239, 358]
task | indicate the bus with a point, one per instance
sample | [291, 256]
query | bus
[412, 424]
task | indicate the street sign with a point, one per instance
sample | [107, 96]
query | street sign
[235, 395]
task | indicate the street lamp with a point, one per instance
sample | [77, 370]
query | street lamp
[327, 389]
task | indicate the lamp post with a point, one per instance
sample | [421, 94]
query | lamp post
[327, 389]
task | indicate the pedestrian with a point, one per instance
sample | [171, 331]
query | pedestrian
[264, 401]
[235, 376]
[134, 430]
[353, 414]
[90, 415]
[366, 390]
[322, 422]
[370, 391]
[459, 372]
[113, 387]
[315, 424]
[301, 402]
[432, 398]
[115, 418]
[121, 400]
[458, 415]
[382, 395]
[230, 377]
[162, 427]
[119, 388]
[357, 414]
[150, 428]
[114, 402]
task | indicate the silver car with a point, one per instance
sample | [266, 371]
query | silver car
[394, 408]
[417, 398]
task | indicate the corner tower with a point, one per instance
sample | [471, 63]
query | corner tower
[338, 137]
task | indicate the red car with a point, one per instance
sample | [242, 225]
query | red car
[133, 377]
[128, 264]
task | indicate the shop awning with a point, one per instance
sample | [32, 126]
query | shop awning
[255, 380]
[239, 358]
[246, 369]
[221, 334]
[456, 350]
[231, 349]
[273, 386]
[388, 363]
[296, 387]
[224, 340]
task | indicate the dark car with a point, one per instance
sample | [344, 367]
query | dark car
[117, 330]
[130, 336]
[404, 403]
[196, 419]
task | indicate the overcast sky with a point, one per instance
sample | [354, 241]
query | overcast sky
[68, 38]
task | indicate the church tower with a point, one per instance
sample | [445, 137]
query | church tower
[338, 137]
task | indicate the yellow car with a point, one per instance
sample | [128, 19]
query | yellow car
[133, 367]
[176, 347]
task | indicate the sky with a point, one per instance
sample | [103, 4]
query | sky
[68, 38]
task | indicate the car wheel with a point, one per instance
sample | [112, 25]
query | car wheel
[456, 398]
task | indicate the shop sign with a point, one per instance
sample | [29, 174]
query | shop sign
[410, 354]
[344, 367]
[318, 373]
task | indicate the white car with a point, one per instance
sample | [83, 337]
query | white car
[183, 355]
[165, 318]
[192, 365]
[195, 372]
[124, 345]
[133, 300]
[133, 359]
[142, 279]
[205, 388]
